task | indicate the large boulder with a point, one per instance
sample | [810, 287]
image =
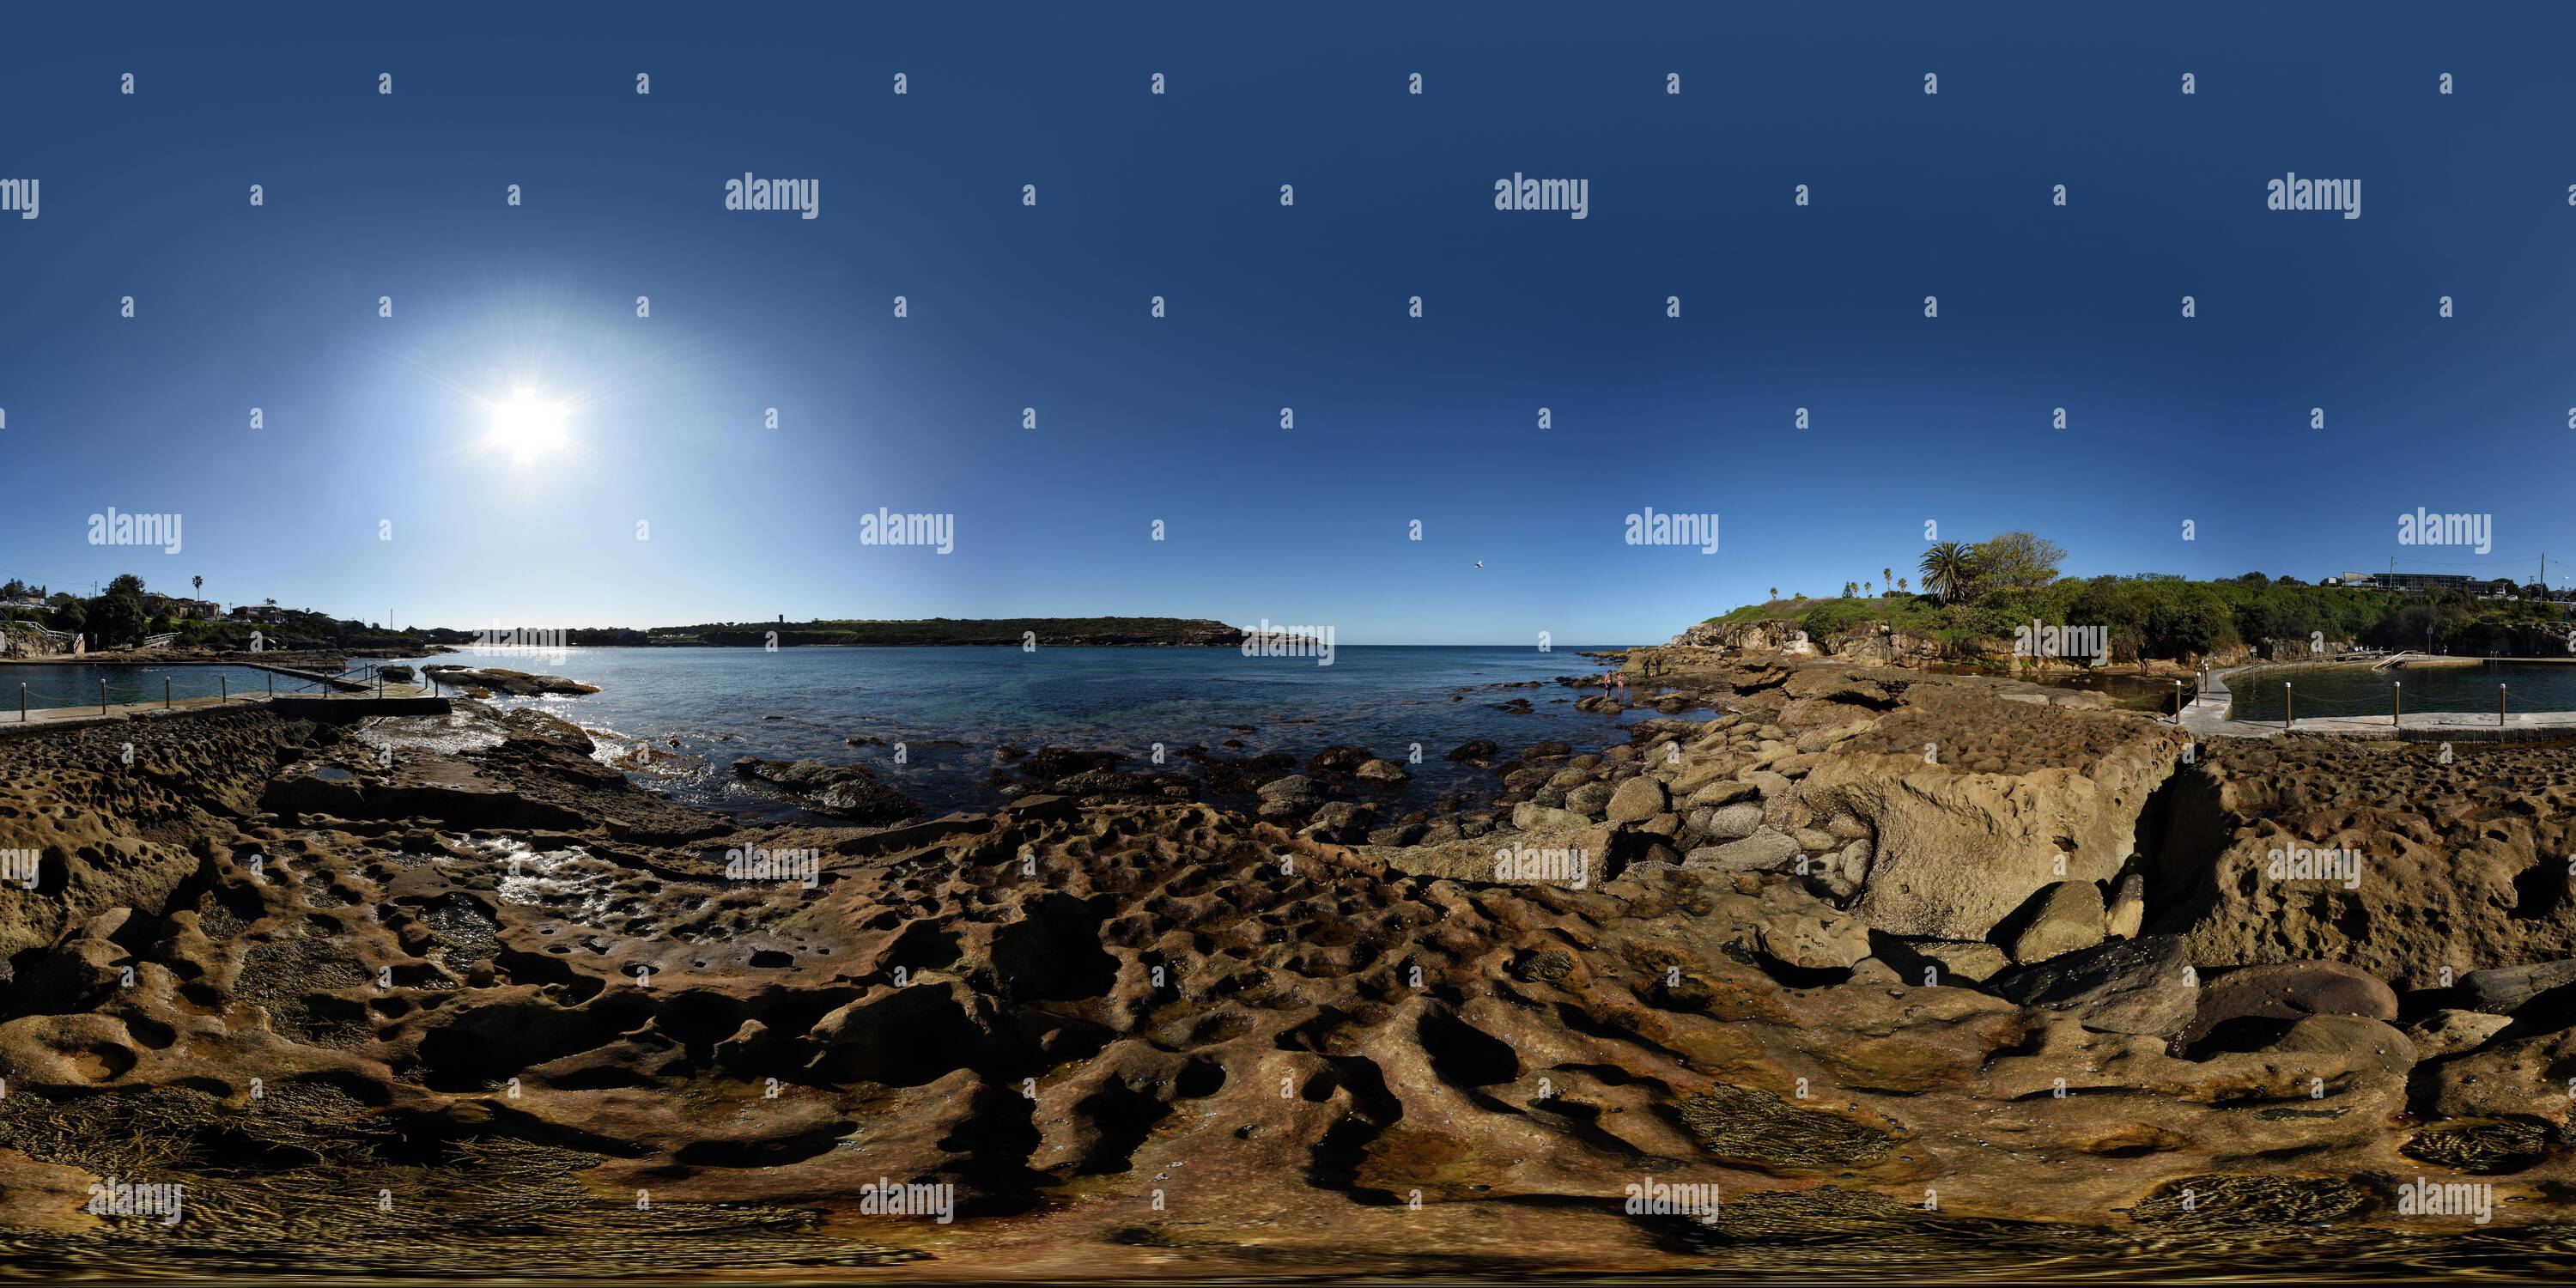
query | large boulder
[2062, 918]
[2290, 991]
[1798, 931]
[2135, 986]
[2366, 1043]
[2451, 1032]
[1957, 852]
[1637, 799]
[1589, 799]
[844, 791]
[2502, 990]
[1732, 822]
[1764, 851]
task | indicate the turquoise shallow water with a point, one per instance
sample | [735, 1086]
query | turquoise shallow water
[953, 706]
[2358, 691]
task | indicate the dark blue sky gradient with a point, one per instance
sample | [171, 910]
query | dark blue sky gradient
[1397, 419]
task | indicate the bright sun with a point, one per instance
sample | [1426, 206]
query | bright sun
[528, 426]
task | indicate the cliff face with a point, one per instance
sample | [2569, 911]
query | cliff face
[1879, 644]
[1873, 644]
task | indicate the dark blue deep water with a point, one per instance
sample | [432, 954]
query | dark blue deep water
[952, 707]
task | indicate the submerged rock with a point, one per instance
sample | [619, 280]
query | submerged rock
[845, 791]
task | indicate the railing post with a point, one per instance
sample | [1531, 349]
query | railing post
[2500, 706]
[2397, 706]
[223, 687]
[102, 697]
[22, 704]
[2285, 706]
[165, 693]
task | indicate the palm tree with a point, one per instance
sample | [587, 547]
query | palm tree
[1947, 569]
[198, 584]
[1775, 594]
[1866, 587]
[1887, 576]
[1903, 586]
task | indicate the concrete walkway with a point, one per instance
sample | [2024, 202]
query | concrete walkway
[300, 704]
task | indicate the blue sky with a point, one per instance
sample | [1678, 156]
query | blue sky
[372, 421]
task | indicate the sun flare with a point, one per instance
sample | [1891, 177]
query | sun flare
[528, 426]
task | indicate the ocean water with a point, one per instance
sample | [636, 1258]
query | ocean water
[76, 684]
[952, 707]
[2359, 691]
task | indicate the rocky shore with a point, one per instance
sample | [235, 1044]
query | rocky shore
[1900, 963]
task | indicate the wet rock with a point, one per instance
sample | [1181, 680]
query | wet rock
[2289, 991]
[1758, 1129]
[2451, 1032]
[2502, 990]
[515, 683]
[846, 791]
[1051, 763]
[1474, 751]
[1344, 822]
[2368, 1043]
[1399, 834]
[1381, 771]
[2130, 986]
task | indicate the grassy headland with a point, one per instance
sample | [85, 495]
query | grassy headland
[1992, 588]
